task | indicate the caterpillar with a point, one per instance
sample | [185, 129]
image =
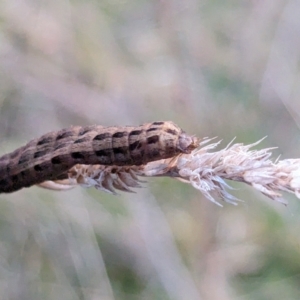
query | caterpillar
[53, 154]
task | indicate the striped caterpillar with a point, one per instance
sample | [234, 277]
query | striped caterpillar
[52, 155]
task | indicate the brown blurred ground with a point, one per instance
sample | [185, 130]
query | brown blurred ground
[216, 68]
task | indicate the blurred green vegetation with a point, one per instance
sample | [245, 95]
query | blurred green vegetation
[216, 68]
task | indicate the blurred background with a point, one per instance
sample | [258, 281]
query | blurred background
[216, 68]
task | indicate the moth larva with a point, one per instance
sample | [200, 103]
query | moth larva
[53, 154]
